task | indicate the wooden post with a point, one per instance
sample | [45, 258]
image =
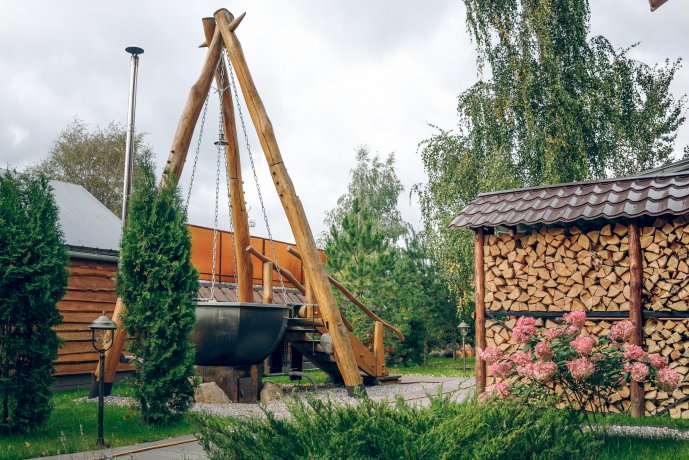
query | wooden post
[636, 312]
[175, 164]
[240, 221]
[480, 311]
[344, 354]
[267, 282]
[379, 347]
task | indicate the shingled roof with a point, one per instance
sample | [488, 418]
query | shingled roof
[663, 194]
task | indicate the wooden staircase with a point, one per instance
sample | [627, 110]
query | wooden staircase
[304, 334]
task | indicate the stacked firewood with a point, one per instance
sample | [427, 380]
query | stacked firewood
[666, 265]
[670, 338]
[557, 269]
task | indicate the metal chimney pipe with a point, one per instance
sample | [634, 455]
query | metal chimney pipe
[129, 154]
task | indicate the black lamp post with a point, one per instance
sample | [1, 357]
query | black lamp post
[102, 334]
[464, 330]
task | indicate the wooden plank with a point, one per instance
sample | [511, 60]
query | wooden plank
[346, 360]
[91, 296]
[479, 277]
[635, 310]
[268, 283]
[379, 349]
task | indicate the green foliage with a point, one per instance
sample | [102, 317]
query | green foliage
[32, 279]
[402, 284]
[374, 184]
[93, 159]
[158, 284]
[554, 105]
[444, 430]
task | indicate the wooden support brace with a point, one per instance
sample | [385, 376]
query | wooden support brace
[635, 311]
[379, 348]
[346, 360]
[480, 311]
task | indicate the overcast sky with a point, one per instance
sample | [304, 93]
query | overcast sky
[332, 75]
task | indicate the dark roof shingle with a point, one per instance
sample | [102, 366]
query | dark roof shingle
[576, 201]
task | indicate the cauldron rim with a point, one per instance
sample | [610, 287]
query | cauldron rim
[212, 303]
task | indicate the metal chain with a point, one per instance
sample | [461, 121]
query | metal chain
[253, 169]
[221, 92]
[198, 149]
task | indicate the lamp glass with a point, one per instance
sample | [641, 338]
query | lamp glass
[463, 328]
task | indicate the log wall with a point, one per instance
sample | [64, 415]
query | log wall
[550, 270]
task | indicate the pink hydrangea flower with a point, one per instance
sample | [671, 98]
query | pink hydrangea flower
[526, 370]
[521, 358]
[544, 371]
[657, 361]
[576, 318]
[523, 330]
[500, 369]
[554, 332]
[490, 354]
[668, 379]
[582, 345]
[580, 368]
[634, 352]
[543, 351]
[622, 330]
[498, 390]
[638, 371]
[572, 330]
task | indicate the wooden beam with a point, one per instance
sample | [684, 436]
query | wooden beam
[286, 273]
[175, 164]
[379, 347]
[344, 354]
[636, 311]
[268, 282]
[353, 299]
[240, 220]
[479, 277]
[192, 109]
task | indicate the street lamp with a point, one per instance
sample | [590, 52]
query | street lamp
[464, 330]
[102, 334]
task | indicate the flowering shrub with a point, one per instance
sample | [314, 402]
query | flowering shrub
[580, 372]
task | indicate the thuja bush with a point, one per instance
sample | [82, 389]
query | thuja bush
[443, 430]
[577, 371]
[157, 283]
[32, 279]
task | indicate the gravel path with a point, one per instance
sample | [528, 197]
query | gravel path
[415, 392]
[659, 432]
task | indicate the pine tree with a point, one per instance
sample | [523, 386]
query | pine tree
[158, 283]
[33, 278]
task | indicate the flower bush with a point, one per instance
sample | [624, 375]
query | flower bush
[580, 372]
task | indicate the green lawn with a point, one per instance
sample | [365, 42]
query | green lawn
[317, 375]
[665, 420]
[623, 448]
[72, 427]
[437, 367]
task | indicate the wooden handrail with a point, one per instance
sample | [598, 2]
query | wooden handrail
[290, 277]
[353, 299]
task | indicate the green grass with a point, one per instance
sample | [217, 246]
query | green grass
[624, 448]
[437, 367]
[72, 427]
[665, 420]
[317, 375]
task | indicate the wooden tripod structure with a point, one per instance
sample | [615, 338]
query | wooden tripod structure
[219, 32]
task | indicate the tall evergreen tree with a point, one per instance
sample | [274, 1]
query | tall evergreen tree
[158, 283]
[33, 278]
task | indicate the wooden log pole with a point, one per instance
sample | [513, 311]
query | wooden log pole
[479, 276]
[240, 220]
[353, 299]
[379, 347]
[344, 354]
[174, 166]
[268, 282]
[635, 311]
[286, 273]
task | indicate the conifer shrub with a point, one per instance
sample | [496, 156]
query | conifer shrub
[33, 278]
[158, 283]
[443, 430]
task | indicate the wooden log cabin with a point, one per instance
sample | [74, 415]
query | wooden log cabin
[92, 234]
[617, 249]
